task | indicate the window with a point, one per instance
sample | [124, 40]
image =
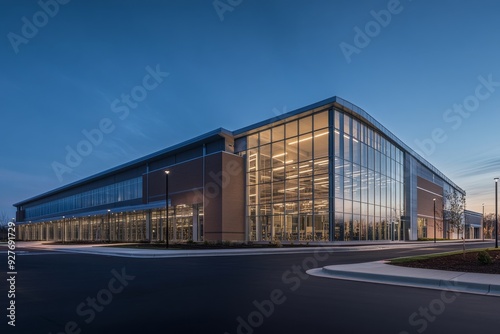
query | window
[121, 191]
[253, 140]
[265, 137]
[278, 133]
[321, 143]
[291, 129]
[305, 125]
[321, 120]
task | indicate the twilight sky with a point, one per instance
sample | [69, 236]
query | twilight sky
[150, 74]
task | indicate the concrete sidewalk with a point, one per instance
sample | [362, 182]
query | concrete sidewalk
[383, 273]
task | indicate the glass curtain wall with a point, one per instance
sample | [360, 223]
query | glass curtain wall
[114, 193]
[118, 226]
[287, 181]
[368, 179]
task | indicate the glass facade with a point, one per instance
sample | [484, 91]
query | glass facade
[368, 180]
[287, 181]
[325, 176]
[117, 192]
[121, 226]
[422, 227]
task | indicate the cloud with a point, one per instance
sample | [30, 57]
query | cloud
[479, 165]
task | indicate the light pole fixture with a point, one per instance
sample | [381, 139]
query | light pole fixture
[434, 200]
[496, 212]
[482, 223]
[166, 206]
[109, 226]
[64, 230]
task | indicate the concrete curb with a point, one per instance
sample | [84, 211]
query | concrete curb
[171, 253]
[382, 273]
[180, 254]
[158, 253]
[177, 253]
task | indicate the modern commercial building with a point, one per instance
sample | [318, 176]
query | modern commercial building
[325, 172]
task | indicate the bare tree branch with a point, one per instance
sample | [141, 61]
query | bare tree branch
[454, 211]
[4, 218]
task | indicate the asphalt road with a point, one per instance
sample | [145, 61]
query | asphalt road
[76, 293]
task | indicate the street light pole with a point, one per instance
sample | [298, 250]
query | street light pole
[166, 205]
[434, 219]
[109, 227]
[496, 212]
[64, 229]
[482, 223]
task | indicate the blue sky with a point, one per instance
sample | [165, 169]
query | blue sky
[239, 64]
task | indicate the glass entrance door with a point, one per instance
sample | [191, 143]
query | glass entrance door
[184, 222]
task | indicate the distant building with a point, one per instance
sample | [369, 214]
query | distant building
[473, 225]
[325, 172]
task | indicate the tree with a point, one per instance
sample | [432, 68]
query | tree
[454, 211]
[489, 225]
[4, 220]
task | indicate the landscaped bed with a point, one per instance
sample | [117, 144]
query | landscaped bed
[455, 261]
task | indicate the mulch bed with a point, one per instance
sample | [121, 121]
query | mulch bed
[457, 263]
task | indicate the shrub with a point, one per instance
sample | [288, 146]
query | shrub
[484, 257]
[275, 243]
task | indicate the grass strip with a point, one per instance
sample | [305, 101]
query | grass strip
[434, 255]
